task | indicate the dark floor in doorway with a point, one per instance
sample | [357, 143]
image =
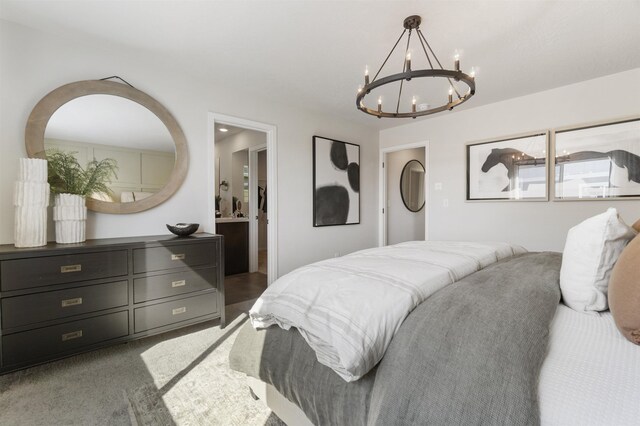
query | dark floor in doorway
[241, 287]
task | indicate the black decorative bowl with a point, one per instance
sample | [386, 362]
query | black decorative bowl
[183, 229]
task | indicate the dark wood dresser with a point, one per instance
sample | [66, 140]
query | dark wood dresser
[62, 299]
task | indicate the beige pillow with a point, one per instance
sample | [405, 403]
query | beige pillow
[624, 290]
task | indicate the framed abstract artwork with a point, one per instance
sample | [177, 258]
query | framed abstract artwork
[597, 162]
[509, 168]
[336, 182]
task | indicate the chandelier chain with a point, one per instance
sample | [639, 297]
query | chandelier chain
[455, 89]
[389, 55]
[424, 48]
[404, 68]
[430, 49]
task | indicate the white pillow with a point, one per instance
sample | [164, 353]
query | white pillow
[591, 251]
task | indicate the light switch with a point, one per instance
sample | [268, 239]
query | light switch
[438, 186]
[445, 202]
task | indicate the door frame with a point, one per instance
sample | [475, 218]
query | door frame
[272, 177]
[382, 196]
[253, 206]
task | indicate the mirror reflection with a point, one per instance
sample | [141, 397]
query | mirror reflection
[106, 126]
[412, 185]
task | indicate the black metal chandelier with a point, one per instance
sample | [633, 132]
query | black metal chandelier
[454, 76]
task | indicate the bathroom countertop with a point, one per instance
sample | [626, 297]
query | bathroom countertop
[231, 219]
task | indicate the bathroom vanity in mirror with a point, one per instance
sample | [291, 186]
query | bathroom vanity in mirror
[236, 244]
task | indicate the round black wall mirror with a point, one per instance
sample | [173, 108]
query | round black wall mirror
[412, 185]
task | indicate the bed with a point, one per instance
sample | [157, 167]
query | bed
[492, 346]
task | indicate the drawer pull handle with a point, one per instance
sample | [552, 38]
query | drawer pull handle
[72, 302]
[178, 283]
[72, 335]
[178, 311]
[178, 256]
[70, 268]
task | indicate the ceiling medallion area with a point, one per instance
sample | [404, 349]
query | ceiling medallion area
[435, 70]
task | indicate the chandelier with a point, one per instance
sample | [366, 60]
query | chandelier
[453, 77]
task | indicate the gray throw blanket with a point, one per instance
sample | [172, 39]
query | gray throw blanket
[468, 355]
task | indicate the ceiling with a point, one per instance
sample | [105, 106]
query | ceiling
[312, 54]
[231, 131]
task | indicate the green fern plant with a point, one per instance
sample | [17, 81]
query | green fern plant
[66, 175]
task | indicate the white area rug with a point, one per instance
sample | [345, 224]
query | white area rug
[178, 378]
[204, 392]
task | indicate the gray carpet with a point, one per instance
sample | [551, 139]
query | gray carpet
[178, 378]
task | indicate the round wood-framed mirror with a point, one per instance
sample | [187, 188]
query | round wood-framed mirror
[114, 119]
[412, 185]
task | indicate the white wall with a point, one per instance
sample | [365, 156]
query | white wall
[536, 225]
[33, 63]
[402, 223]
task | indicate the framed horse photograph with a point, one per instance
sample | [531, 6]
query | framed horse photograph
[597, 161]
[510, 168]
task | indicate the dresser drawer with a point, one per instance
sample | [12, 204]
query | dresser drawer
[34, 308]
[167, 313]
[20, 348]
[159, 286]
[173, 256]
[39, 271]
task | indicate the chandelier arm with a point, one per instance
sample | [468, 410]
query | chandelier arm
[404, 69]
[455, 89]
[392, 49]
[399, 96]
[406, 52]
[424, 48]
[430, 49]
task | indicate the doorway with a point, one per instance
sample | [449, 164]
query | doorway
[242, 179]
[404, 194]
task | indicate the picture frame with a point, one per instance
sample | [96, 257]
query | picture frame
[510, 168]
[597, 161]
[336, 182]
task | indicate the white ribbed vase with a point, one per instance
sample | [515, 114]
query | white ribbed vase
[30, 199]
[70, 217]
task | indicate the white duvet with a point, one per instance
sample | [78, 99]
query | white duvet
[349, 308]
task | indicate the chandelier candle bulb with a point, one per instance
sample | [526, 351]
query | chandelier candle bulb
[457, 62]
[450, 94]
[408, 62]
[366, 76]
[413, 104]
[472, 74]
